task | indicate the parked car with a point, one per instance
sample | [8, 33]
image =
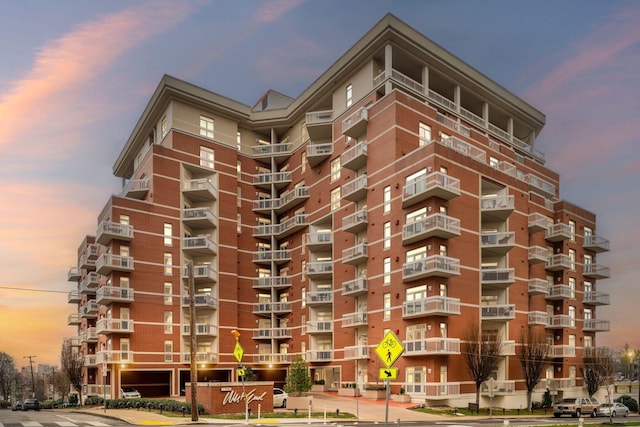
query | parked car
[130, 393]
[576, 407]
[17, 406]
[613, 409]
[31, 404]
[279, 398]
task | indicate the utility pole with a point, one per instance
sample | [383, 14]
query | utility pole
[33, 379]
[193, 346]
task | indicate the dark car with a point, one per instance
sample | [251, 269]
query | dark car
[31, 404]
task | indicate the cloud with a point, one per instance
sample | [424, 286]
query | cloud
[274, 9]
[63, 66]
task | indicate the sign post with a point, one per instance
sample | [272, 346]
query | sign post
[238, 352]
[389, 350]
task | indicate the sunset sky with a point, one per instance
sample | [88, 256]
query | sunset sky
[75, 76]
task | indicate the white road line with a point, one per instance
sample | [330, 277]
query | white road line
[66, 424]
[96, 423]
[31, 424]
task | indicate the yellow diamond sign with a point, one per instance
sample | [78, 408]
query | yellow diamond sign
[389, 349]
[238, 352]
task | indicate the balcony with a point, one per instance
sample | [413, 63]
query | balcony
[206, 301]
[315, 298]
[199, 245]
[272, 359]
[595, 298]
[435, 225]
[90, 360]
[431, 266]
[435, 184]
[320, 242]
[136, 189]
[557, 384]
[596, 271]
[538, 255]
[109, 294]
[319, 326]
[268, 308]
[89, 335]
[496, 208]
[199, 218]
[356, 124]
[279, 256]
[434, 391]
[278, 152]
[296, 223]
[355, 287]
[559, 321]
[538, 318]
[74, 297]
[466, 149]
[319, 355]
[202, 330]
[73, 319]
[431, 306]
[202, 274]
[355, 158]
[271, 333]
[540, 186]
[558, 232]
[497, 243]
[558, 351]
[265, 180]
[596, 243]
[292, 198]
[88, 257]
[508, 348]
[108, 231]
[595, 325]
[500, 388]
[319, 270]
[560, 292]
[431, 346]
[74, 274]
[114, 326]
[354, 320]
[356, 352]
[499, 312]
[356, 189]
[355, 222]
[273, 282]
[538, 287]
[201, 357]
[559, 262]
[498, 277]
[317, 153]
[356, 254]
[199, 190]
[110, 262]
[319, 124]
[89, 283]
[539, 222]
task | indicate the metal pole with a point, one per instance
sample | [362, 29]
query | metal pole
[193, 346]
[386, 409]
[33, 379]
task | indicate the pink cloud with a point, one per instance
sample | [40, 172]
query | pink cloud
[64, 65]
[274, 9]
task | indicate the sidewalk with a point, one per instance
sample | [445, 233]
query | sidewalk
[365, 409]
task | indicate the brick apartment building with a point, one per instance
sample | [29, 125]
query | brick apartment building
[401, 191]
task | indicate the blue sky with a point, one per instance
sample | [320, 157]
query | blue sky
[76, 75]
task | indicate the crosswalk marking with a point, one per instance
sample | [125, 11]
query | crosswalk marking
[96, 423]
[66, 424]
[31, 424]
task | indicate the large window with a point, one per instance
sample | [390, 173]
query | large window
[425, 134]
[168, 351]
[206, 127]
[387, 199]
[168, 264]
[168, 322]
[335, 198]
[168, 231]
[207, 157]
[335, 169]
[168, 293]
[387, 306]
[387, 235]
[386, 278]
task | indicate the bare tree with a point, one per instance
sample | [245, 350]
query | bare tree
[598, 368]
[482, 355]
[72, 364]
[7, 375]
[533, 352]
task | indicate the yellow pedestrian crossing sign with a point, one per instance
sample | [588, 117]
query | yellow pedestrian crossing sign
[388, 373]
[238, 352]
[390, 349]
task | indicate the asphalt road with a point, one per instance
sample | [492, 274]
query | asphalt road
[53, 418]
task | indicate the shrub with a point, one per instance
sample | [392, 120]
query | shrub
[629, 402]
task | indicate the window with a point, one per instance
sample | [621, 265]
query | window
[239, 169]
[168, 293]
[417, 293]
[387, 199]
[168, 264]
[239, 141]
[572, 340]
[125, 349]
[588, 341]
[124, 219]
[493, 162]
[303, 161]
[572, 230]
[168, 351]
[349, 95]
[304, 133]
[415, 377]
[424, 134]
[164, 127]
[572, 316]
[386, 278]
[387, 306]
[303, 270]
[335, 199]
[168, 322]
[572, 287]
[207, 157]
[443, 289]
[387, 235]
[239, 223]
[335, 169]
[168, 231]
[206, 127]
[303, 297]
[572, 258]
[239, 192]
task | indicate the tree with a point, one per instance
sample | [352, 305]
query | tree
[72, 364]
[298, 378]
[533, 352]
[598, 369]
[7, 375]
[482, 355]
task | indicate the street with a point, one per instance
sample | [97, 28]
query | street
[54, 418]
